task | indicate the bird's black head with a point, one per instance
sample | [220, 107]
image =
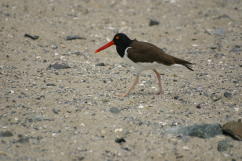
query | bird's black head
[121, 41]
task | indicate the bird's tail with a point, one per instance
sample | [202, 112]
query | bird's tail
[184, 63]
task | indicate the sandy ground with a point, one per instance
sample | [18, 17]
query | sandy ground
[74, 114]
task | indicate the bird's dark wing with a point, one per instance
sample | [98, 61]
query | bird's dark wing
[144, 52]
[147, 53]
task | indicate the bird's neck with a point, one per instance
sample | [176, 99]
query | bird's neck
[121, 48]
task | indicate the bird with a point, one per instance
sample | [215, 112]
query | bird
[143, 56]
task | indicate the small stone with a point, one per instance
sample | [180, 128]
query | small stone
[215, 97]
[50, 84]
[202, 131]
[99, 64]
[223, 145]
[58, 66]
[54, 46]
[6, 134]
[227, 95]
[219, 32]
[55, 111]
[76, 53]
[120, 140]
[23, 139]
[74, 37]
[176, 97]
[236, 49]
[114, 110]
[153, 22]
[199, 106]
[33, 37]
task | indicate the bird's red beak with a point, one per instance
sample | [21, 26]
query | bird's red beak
[105, 46]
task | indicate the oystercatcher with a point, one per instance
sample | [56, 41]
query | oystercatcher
[143, 56]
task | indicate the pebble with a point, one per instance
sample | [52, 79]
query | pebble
[33, 37]
[153, 22]
[55, 111]
[114, 110]
[223, 145]
[215, 97]
[50, 84]
[227, 95]
[120, 140]
[6, 134]
[74, 37]
[99, 64]
[202, 130]
[236, 49]
[58, 66]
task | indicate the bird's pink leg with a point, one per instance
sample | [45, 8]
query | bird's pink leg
[136, 80]
[159, 82]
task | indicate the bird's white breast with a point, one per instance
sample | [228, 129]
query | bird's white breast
[140, 66]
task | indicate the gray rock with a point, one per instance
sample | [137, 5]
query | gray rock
[58, 66]
[6, 134]
[153, 22]
[33, 37]
[74, 37]
[114, 110]
[236, 49]
[50, 84]
[55, 111]
[227, 95]
[223, 145]
[219, 32]
[201, 131]
[99, 64]
[23, 139]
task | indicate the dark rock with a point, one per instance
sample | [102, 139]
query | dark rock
[55, 111]
[33, 37]
[6, 134]
[120, 140]
[153, 22]
[227, 95]
[125, 148]
[199, 106]
[76, 53]
[79, 158]
[176, 97]
[233, 129]
[40, 97]
[99, 64]
[201, 131]
[236, 49]
[50, 84]
[74, 37]
[23, 139]
[223, 145]
[223, 16]
[58, 66]
[114, 110]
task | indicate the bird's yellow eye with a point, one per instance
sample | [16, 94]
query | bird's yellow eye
[117, 37]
